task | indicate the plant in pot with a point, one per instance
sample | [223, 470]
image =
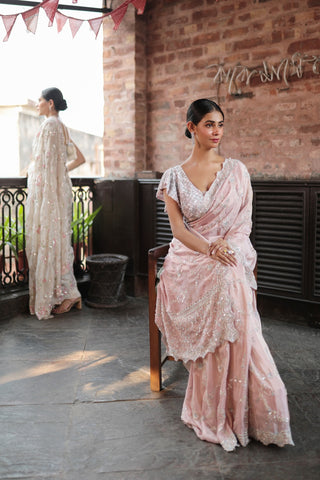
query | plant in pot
[8, 236]
[22, 263]
[81, 224]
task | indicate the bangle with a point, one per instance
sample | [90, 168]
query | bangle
[209, 251]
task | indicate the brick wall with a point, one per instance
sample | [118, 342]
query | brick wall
[272, 127]
[124, 69]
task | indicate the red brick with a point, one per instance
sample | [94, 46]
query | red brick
[244, 17]
[191, 5]
[160, 60]
[310, 128]
[179, 44]
[206, 38]
[248, 43]
[305, 46]
[276, 36]
[204, 14]
[177, 20]
[235, 32]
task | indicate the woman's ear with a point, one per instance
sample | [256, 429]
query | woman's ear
[191, 127]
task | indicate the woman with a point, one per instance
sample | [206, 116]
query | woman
[206, 306]
[52, 286]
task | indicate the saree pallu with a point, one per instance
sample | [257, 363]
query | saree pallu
[208, 318]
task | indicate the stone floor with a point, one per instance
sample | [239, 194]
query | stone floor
[75, 404]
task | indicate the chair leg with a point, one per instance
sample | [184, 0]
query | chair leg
[155, 358]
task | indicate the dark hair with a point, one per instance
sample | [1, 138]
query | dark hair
[57, 97]
[198, 109]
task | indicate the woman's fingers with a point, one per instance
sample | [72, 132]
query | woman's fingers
[226, 256]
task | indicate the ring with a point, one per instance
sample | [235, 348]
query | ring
[231, 252]
[225, 250]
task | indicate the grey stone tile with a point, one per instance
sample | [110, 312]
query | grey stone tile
[306, 470]
[35, 344]
[156, 474]
[32, 441]
[141, 435]
[42, 382]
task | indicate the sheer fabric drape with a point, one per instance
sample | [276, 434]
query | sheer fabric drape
[48, 222]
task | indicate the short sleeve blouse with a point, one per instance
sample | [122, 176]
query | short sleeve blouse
[193, 202]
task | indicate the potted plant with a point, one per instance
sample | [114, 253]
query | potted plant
[8, 235]
[81, 224]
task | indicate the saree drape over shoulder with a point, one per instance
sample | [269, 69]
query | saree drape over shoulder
[208, 317]
[48, 222]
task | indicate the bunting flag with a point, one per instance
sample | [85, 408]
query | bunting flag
[61, 21]
[75, 24]
[50, 7]
[30, 18]
[118, 14]
[95, 24]
[140, 5]
[8, 22]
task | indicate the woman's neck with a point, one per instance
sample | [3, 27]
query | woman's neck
[53, 114]
[200, 155]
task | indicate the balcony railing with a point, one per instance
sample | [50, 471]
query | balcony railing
[13, 260]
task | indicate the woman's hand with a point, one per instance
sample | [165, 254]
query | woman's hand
[221, 251]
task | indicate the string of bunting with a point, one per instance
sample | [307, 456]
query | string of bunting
[30, 17]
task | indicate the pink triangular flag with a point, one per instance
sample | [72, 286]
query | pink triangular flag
[140, 5]
[8, 22]
[75, 24]
[118, 14]
[50, 7]
[95, 24]
[30, 18]
[61, 21]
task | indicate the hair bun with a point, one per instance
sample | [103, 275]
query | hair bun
[62, 105]
[187, 133]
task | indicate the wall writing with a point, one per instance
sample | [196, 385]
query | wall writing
[288, 67]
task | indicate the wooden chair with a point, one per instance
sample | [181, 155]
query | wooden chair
[156, 360]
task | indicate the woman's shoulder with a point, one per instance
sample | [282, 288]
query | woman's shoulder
[170, 174]
[238, 165]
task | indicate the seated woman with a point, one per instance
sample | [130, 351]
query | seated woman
[206, 305]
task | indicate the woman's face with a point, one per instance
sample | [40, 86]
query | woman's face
[209, 130]
[43, 107]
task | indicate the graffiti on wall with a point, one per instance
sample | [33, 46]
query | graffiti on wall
[287, 68]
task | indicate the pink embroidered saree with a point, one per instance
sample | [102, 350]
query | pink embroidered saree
[208, 318]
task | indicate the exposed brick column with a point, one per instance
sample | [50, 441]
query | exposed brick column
[124, 69]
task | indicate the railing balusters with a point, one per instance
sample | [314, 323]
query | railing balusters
[13, 196]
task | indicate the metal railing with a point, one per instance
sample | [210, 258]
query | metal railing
[13, 260]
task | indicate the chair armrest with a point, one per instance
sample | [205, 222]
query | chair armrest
[159, 251]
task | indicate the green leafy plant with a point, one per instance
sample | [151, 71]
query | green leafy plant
[8, 237]
[81, 223]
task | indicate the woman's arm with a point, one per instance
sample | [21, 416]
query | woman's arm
[218, 250]
[179, 229]
[79, 160]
